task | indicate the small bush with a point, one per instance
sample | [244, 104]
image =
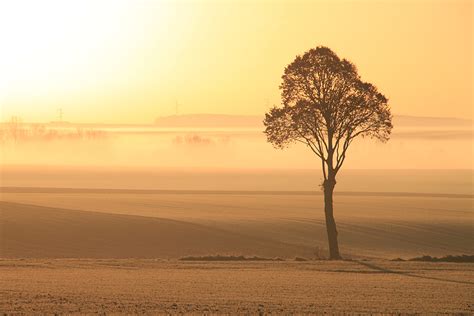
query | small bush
[450, 258]
[229, 258]
[398, 259]
[300, 259]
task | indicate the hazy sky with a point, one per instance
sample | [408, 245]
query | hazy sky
[129, 61]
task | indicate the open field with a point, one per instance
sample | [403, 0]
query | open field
[61, 223]
[117, 251]
[152, 286]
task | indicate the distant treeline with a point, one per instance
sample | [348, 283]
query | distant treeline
[16, 131]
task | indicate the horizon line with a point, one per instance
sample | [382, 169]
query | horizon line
[202, 114]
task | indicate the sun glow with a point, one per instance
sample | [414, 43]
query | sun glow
[56, 39]
[52, 50]
[131, 60]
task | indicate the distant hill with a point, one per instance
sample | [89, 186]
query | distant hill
[247, 121]
[420, 121]
[210, 120]
[222, 120]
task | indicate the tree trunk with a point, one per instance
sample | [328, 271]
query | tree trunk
[330, 222]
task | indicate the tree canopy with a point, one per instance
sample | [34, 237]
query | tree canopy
[326, 105]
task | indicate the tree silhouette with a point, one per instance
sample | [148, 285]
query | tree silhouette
[326, 106]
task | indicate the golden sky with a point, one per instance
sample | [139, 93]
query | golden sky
[130, 61]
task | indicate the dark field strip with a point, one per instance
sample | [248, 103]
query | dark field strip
[222, 192]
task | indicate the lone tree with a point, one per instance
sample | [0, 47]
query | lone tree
[326, 106]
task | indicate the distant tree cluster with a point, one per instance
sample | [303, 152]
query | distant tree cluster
[196, 139]
[17, 131]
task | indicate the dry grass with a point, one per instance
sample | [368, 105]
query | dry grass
[155, 286]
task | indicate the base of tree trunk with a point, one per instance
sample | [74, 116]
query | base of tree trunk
[336, 258]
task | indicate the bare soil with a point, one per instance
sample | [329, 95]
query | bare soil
[160, 286]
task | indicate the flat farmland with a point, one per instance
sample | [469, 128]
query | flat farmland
[162, 286]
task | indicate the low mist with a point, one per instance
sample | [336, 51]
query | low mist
[232, 158]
